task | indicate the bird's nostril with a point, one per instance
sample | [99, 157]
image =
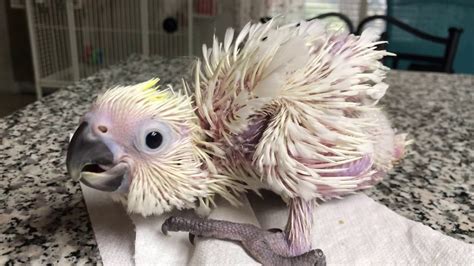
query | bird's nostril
[102, 129]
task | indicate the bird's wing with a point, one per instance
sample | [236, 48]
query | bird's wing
[304, 92]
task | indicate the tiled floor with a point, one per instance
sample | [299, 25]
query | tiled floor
[10, 102]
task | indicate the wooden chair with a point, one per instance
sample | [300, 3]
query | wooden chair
[442, 63]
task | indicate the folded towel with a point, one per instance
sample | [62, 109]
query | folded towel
[113, 228]
[353, 231]
[154, 248]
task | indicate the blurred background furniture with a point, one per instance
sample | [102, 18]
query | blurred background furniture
[441, 63]
[434, 17]
[428, 35]
[71, 39]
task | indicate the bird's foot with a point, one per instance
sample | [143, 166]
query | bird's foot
[267, 247]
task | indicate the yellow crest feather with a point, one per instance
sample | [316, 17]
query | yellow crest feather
[154, 94]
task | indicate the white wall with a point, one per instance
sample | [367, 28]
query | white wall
[204, 28]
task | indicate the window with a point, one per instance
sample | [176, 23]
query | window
[356, 10]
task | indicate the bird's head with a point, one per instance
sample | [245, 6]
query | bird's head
[142, 143]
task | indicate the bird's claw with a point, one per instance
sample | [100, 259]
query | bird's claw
[269, 247]
[170, 224]
[275, 230]
[318, 255]
[164, 228]
[191, 238]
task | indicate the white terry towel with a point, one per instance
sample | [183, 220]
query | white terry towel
[353, 231]
[113, 228]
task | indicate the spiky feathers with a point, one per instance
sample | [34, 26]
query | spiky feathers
[305, 99]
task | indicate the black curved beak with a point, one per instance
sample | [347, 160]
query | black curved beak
[91, 161]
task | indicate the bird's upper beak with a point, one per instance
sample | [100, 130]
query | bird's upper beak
[90, 160]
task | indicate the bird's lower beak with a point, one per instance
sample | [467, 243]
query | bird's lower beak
[91, 161]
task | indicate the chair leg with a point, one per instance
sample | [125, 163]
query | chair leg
[395, 63]
[39, 91]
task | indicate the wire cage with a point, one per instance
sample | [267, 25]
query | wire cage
[72, 39]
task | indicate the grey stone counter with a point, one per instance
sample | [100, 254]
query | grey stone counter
[43, 218]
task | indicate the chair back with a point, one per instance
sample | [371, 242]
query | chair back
[435, 17]
[440, 63]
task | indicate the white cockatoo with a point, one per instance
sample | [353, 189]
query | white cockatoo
[291, 109]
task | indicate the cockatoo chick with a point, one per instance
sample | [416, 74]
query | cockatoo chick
[291, 109]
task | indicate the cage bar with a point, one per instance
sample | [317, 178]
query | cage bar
[72, 39]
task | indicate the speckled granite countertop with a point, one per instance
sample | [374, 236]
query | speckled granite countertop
[43, 217]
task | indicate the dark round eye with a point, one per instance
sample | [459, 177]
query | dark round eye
[154, 139]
